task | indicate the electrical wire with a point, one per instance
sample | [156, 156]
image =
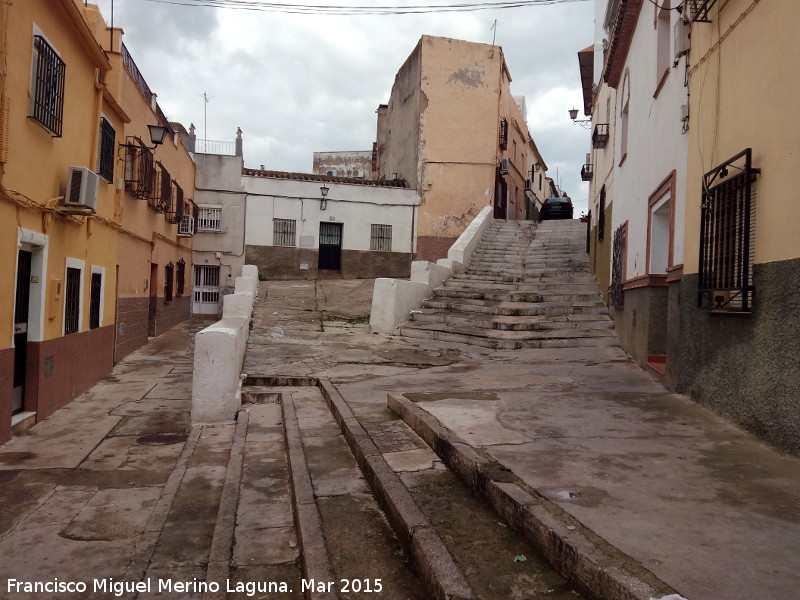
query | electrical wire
[345, 10]
[679, 7]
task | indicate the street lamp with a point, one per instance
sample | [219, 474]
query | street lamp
[324, 191]
[157, 135]
[585, 123]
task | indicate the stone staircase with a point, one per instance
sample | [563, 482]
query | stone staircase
[526, 286]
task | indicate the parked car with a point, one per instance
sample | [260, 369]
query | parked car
[556, 208]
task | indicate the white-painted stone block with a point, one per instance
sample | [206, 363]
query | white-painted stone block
[238, 305]
[245, 284]
[456, 268]
[393, 300]
[431, 274]
[250, 271]
[218, 356]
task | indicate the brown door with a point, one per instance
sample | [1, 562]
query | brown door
[330, 246]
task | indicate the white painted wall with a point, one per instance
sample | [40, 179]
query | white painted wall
[356, 206]
[656, 143]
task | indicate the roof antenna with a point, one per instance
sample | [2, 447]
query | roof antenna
[494, 29]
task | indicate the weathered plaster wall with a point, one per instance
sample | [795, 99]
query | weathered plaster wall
[642, 323]
[747, 368]
[400, 153]
[343, 164]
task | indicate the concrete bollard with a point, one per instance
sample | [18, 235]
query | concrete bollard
[393, 300]
[239, 304]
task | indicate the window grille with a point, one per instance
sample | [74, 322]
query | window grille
[503, 134]
[139, 169]
[616, 296]
[381, 238]
[283, 232]
[72, 300]
[180, 277]
[95, 301]
[727, 235]
[601, 218]
[175, 210]
[105, 155]
[47, 86]
[168, 275]
[161, 202]
[209, 219]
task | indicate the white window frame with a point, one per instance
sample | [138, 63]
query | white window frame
[202, 221]
[102, 272]
[73, 263]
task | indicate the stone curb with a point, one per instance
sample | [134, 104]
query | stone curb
[596, 568]
[314, 551]
[434, 564]
[146, 545]
[219, 556]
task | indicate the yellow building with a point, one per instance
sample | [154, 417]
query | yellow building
[738, 345]
[65, 117]
[455, 133]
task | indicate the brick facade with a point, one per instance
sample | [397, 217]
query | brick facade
[164, 315]
[132, 316]
[6, 392]
[433, 248]
[61, 369]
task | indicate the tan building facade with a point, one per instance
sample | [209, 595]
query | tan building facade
[64, 120]
[453, 131]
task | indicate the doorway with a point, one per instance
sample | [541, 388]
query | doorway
[21, 313]
[206, 290]
[500, 196]
[330, 246]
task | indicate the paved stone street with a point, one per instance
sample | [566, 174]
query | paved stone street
[116, 486]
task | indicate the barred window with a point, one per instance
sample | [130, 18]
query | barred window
[381, 238]
[503, 133]
[168, 274]
[180, 277]
[47, 86]
[209, 218]
[95, 300]
[283, 232]
[105, 154]
[72, 299]
[616, 296]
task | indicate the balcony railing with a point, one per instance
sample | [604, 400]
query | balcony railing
[586, 172]
[215, 147]
[138, 79]
[186, 226]
[600, 135]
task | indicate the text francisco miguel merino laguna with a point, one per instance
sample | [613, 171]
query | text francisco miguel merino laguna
[195, 586]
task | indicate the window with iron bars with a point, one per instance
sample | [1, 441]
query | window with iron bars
[727, 235]
[283, 232]
[47, 86]
[209, 218]
[72, 301]
[381, 238]
[180, 277]
[503, 134]
[162, 201]
[95, 300]
[139, 169]
[175, 210]
[616, 293]
[105, 151]
[169, 271]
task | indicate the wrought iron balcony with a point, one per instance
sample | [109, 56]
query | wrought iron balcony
[586, 172]
[600, 135]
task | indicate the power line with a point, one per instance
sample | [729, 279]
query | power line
[349, 10]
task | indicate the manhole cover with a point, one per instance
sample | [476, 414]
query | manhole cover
[161, 439]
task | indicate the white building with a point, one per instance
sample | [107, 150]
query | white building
[645, 63]
[299, 224]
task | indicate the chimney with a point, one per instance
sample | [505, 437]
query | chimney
[239, 142]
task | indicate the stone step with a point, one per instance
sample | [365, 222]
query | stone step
[581, 285]
[518, 296]
[508, 340]
[512, 323]
[516, 308]
[521, 274]
[520, 280]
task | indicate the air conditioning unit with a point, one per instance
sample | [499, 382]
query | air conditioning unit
[680, 38]
[504, 166]
[81, 190]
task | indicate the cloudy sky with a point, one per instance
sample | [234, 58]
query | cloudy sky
[297, 84]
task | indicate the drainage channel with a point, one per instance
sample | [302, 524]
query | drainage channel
[345, 546]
